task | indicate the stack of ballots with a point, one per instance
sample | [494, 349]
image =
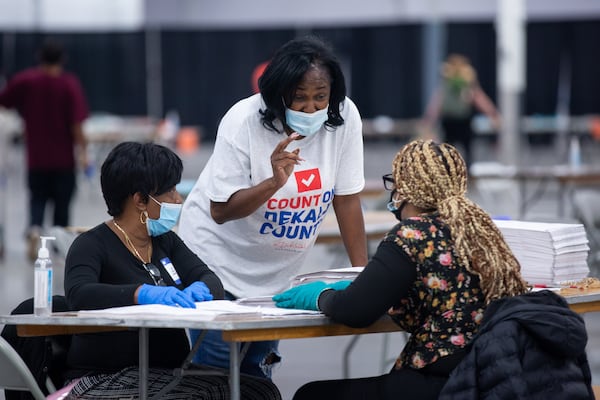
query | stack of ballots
[549, 253]
[328, 275]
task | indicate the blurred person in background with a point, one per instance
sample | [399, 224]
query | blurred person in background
[52, 105]
[282, 159]
[135, 258]
[454, 104]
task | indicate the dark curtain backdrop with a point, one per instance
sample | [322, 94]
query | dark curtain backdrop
[477, 41]
[386, 70]
[111, 66]
[205, 72]
[584, 45]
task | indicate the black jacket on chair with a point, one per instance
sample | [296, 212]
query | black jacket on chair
[529, 347]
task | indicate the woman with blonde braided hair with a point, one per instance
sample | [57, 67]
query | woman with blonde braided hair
[434, 177]
[434, 273]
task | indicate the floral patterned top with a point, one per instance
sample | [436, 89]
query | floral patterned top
[444, 307]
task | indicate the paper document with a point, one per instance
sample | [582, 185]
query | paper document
[263, 301]
[205, 311]
[328, 275]
[549, 253]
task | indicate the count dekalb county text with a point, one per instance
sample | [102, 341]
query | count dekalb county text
[299, 223]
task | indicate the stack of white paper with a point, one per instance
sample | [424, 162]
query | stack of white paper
[204, 311]
[328, 276]
[549, 253]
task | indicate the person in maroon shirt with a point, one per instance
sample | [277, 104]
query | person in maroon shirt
[52, 105]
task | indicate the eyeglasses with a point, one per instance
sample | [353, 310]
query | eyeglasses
[154, 274]
[388, 182]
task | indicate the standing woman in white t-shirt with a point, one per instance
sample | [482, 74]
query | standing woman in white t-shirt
[282, 159]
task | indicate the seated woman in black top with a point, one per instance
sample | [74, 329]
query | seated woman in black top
[135, 258]
[434, 273]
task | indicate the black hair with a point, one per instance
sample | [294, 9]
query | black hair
[285, 72]
[51, 52]
[132, 167]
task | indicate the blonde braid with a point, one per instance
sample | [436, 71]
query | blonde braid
[432, 176]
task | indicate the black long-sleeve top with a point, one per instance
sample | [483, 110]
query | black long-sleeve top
[383, 283]
[415, 277]
[100, 272]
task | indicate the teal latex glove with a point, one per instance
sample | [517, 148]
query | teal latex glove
[198, 291]
[306, 297]
[167, 295]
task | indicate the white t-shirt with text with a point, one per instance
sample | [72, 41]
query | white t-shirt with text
[259, 255]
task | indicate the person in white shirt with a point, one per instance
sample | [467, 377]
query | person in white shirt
[282, 159]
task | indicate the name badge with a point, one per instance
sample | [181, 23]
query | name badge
[171, 270]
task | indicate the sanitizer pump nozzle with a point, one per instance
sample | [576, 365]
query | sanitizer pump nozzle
[42, 295]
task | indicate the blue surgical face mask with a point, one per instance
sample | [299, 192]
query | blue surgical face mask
[169, 215]
[304, 123]
[396, 206]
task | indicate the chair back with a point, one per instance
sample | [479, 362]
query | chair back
[586, 208]
[14, 373]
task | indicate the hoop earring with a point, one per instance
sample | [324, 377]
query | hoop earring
[144, 217]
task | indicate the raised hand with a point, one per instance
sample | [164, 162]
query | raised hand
[283, 161]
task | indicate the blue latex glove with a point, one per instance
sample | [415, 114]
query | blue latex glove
[198, 291]
[167, 295]
[306, 297]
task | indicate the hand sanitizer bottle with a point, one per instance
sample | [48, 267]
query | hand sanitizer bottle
[42, 294]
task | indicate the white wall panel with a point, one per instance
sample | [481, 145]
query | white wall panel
[69, 15]
[92, 15]
[286, 13]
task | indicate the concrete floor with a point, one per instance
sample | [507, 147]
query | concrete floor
[303, 360]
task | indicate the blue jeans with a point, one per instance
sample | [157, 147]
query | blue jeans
[259, 360]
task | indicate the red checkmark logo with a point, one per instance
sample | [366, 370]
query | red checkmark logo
[308, 180]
